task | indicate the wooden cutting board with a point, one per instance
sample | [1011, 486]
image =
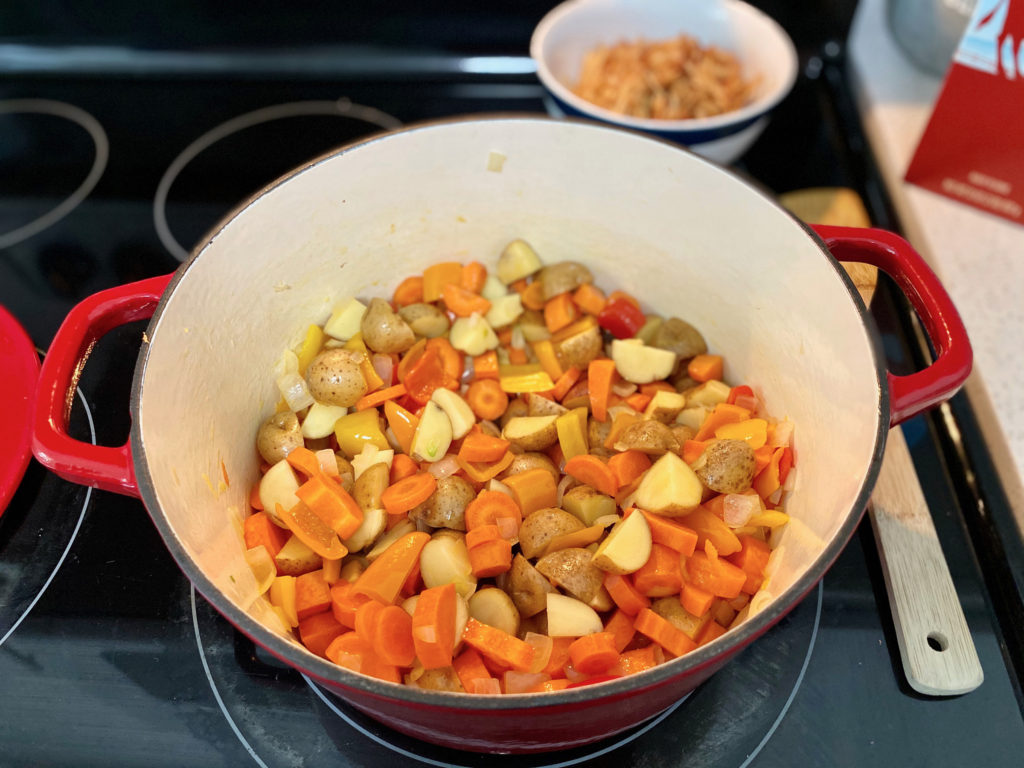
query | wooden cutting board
[938, 654]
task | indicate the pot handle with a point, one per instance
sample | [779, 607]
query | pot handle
[108, 468]
[920, 391]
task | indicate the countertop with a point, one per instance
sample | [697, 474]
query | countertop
[979, 257]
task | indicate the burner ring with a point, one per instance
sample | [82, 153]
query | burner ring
[102, 151]
[339, 108]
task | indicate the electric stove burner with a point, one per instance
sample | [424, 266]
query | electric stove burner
[266, 154]
[282, 717]
[19, 140]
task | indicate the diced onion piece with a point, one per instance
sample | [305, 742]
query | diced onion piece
[486, 686]
[523, 682]
[507, 527]
[287, 363]
[624, 388]
[607, 520]
[567, 482]
[783, 433]
[790, 483]
[518, 340]
[747, 401]
[776, 497]
[496, 485]
[384, 365]
[328, 462]
[542, 647]
[294, 391]
[739, 508]
[574, 676]
[263, 568]
[446, 466]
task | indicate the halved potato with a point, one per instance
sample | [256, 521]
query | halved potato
[542, 526]
[568, 617]
[626, 547]
[669, 488]
[531, 433]
[494, 607]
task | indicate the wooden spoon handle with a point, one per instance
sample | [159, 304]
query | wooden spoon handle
[935, 643]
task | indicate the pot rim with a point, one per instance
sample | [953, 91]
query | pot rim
[329, 673]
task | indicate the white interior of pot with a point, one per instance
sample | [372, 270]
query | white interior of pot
[683, 235]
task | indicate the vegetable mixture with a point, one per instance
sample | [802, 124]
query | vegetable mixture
[509, 481]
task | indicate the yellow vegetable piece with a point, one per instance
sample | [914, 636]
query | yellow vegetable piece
[354, 430]
[312, 531]
[437, 276]
[582, 325]
[524, 378]
[548, 359]
[373, 380]
[771, 519]
[310, 347]
[754, 431]
[572, 433]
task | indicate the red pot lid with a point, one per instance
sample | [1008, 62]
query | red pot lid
[20, 365]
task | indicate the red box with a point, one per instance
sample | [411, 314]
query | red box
[972, 149]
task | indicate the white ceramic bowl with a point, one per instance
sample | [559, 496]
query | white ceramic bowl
[573, 28]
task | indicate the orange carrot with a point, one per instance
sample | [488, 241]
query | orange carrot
[594, 653]
[590, 299]
[409, 291]
[565, 383]
[500, 646]
[470, 667]
[351, 651]
[464, 302]
[769, 479]
[392, 637]
[559, 312]
[620, 626]
[638, 660]
[329, 501]
[318, 631]
[692, 449]
[710, 631]
[480, 472]
[551, 685]
[437, 276]
[380, 397]
[487, 399]
[304, 460]
[481, 534]
[402, 467]
[656, 386]
[628, 466]
[705, 367]
[366, 619]
[601, 375]
[533, 296]
[695, 599]
[403, 424]
[345, 602]
[722, 414]
[260, 530]
[719, 577]
[254, 498]
[752, 558]
[665, 634]
[591, 470]
[408, 492]
[517, 356]
[559, 656]
[660, 576]
[384, 577]
[533, 489]
[490, 557]
[625, 595]
[622, 295]
[488, 507]
[477, 446]
[485, 366]
[474, 275]
[638, 401]
[312, 594]
[707, 525]
[671, 534]
[433, 626]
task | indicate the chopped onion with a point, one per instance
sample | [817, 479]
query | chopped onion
[739, 508]
[384, 365]
[518, 340]
[783, 433]
[747, 401]
[508, 527]
[567, 482]
[288, 363]
[442, 468]
[294, 391]
[790, 483]
[496, 485]
[607, 520]
[485, 686]
[624, 388]
[263, 568]
[573, 675]
[776, 497]
[523, 682]
[542, 647]
[328, 462]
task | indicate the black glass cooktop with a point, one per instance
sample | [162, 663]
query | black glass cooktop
[111, 168]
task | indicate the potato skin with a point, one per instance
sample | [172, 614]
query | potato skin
[648, 436]
[384, 331]
[526, 587]
[369, 486]
[574, 571]
[532, 460]
[680, 337]
[425, 319]
[563, 276]
[726, 466]
[278, 436]
[543, 525]
[579, 349]
[335, 378]
[446, 507]
[440, 679]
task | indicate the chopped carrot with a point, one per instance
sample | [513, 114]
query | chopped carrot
[318, 631]
[480, 472]
[481, 534]
[505, 336]
[707, 525]
[487, 399]
[519, 285]
[710, 631]
[619, 424]
[533, 489]
[260, 530]
[719, 577]
[437, 276]
[392, 637]
[384, 577]
[624, 594]
[590, 299]
[329, 501]
[470, 667]
[559, 312]
[254, 498]
[463, 302]
[705, 367]
[671, 534]
[695, 599]
[490, 557]
[345, 601]
[656, 386]
[593, 654]
[533, 296]
[623, 296]
[559, 657]
[721, 414]
[660, 576]
[601, 375]
[409, 291]
[433, 626]
[768, 480]
[591, 470]
[500, 646]
[564, 383]
[403, 424]
[379, 397]
[638, 660]
[517, 356]
[351, 651]
[408, 492]
[480, 447]
[663, 632]
[692, 450]
[474, 275]
[402, 466]
[627, 466]
[488, 507]
[638, 401]
[485, 366]
[366, 618]
[620, 626]
[312, 594]
[752, 558]
[304, 460]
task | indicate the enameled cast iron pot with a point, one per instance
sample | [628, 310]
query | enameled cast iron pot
[684, 235]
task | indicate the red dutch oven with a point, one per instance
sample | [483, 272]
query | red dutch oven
[686, 236]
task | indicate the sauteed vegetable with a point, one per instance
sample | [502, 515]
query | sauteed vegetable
[506, 480]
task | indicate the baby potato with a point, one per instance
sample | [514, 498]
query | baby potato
[542, 526]
[370, 485]
[580, 348]
[531, 433]
[588, 504]
[680, 337]
[384, 331]
[425, 319]
[574, 571]
[652, 437]
[446, 507]
[562, 277]
[532, 460]
[335, 378]
[538, 405]
[527, 588]
[726, 466]
[495, 608]
[278, 436]
[440, 679]
[517, 407]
